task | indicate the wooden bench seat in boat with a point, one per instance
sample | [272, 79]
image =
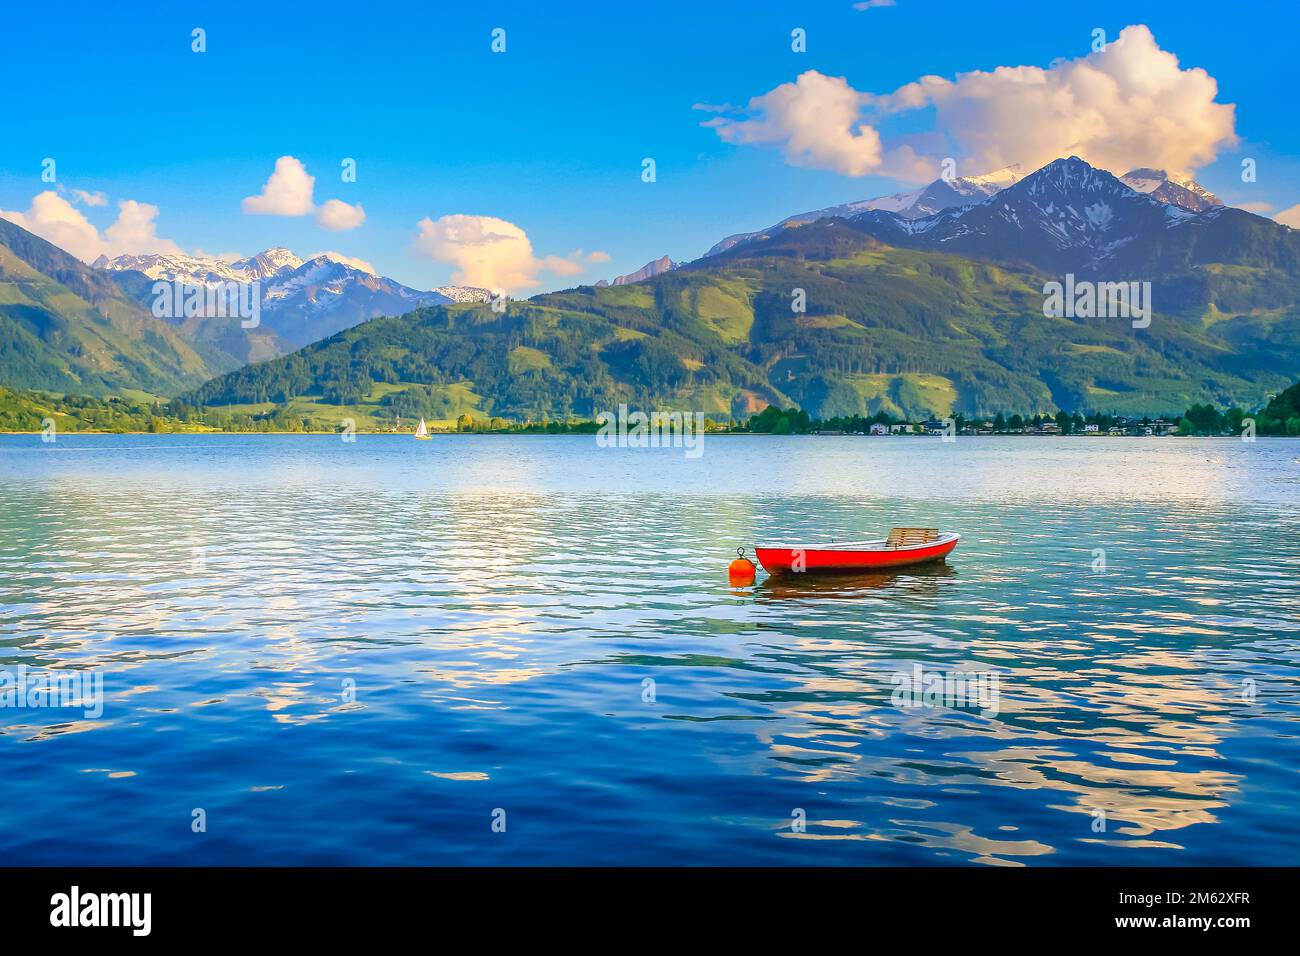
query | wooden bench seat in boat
[903, 537]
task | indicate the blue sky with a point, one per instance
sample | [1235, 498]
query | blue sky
[549, 136]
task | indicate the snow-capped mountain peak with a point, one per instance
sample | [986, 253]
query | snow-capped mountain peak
[268, 263]
[1073, 177]
[989, 183]
[1068, 204]
[1175, 190]
[321, 272]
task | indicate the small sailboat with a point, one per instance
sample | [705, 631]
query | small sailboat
[422, 430]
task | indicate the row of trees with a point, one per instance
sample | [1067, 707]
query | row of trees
[28, 410]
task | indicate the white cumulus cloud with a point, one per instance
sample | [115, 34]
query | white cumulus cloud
[286, 193]
[814, 121]
[1129, 105]
[135, 231]
[56, 220]
[487, 252]
[1289, 217]
[336, 215]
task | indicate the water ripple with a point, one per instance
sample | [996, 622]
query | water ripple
[357, 654]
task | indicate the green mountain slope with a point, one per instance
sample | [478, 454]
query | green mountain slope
[68, 328]
[909, 332]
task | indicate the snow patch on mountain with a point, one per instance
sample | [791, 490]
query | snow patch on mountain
[195, 270]
[278, 269]
[266, 264]
[464, 293]
[996, 181]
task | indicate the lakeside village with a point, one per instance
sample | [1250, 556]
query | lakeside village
[1203, 420]
[1116, 426]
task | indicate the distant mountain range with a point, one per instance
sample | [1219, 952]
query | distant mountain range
[1070, 216]
[947, 194]
[919, 303]
[966, 191]
[938, 195]
[203, 270]
[904, 313]
[303, 300]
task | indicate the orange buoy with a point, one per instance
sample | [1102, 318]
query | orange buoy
[741, 571]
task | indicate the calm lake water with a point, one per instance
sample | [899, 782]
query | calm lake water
[367, 653]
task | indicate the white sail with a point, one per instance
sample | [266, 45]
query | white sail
[421, 430]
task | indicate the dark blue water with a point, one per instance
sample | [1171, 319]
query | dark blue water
[367, 653]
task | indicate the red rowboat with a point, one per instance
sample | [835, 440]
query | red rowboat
[903, 547]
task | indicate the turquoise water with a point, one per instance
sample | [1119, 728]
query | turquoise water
[368, 652]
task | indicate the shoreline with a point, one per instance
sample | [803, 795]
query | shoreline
[308, 434]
